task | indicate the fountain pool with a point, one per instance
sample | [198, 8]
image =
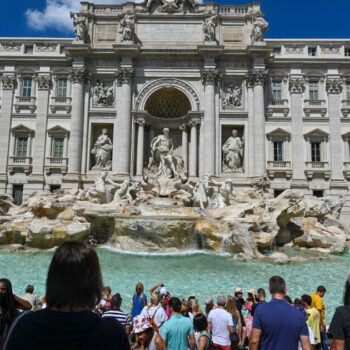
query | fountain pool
[187, 274]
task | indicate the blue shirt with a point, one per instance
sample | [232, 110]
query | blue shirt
[281, 325]
[139, 304]
[175, 332]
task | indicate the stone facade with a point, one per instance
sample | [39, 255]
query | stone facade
[71, 108]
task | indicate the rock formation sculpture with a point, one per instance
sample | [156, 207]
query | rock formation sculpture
[102, 151]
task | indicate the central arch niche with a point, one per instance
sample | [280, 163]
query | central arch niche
[168, 103]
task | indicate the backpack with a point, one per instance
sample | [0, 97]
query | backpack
[210, 345]
[152, 322]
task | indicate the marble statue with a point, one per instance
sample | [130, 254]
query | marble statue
[233, 97]
[127, 27]
[162, 154]
[232, 153]
[209, 28]
[80, 29]
[202, 192]
[99, 192]
[225, 194]
[123, 193]
[102, 95]
[260, 27]
[102, 151]
[171, 6]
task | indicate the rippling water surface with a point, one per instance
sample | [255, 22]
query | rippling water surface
[185, 275]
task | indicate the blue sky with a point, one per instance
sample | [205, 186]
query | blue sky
[287, 18]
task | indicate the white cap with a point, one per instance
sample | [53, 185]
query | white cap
[163, 291]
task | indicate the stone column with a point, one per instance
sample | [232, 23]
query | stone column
[43, 83]
[257, 79]
[296, 88]
[334, 88]
[140, 145]
[77, 121]
[209, 78]
[184, 139]
[122, 151]
[192, 167]
[8, 86]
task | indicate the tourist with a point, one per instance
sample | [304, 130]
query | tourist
[177, 333]
[148, 338]
[279, 325]
[240, 302]
[196, 309]
[116, 313]
[108, 297]
[73, 288]
[237, 323]
[301, 308]
[9, 305]
[139, 301]
[340, 325]
[313, 321]
[186, 308]
[209, 304]
[220, 324]
[261, 300]
[32, 298]
[250, 301]
[289, 300]
[154, 313]
[318, 303]
[200, 325]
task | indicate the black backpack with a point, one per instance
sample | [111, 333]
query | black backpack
[210, 342]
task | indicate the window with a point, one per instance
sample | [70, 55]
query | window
[312, 51]
[27, 87]
[313, 90]
[315, 151]
[317, 193]
[347, 52]
[277, 90]
[278, 151]
[62, 88]
[276, 51]
[29, 50]
[58, 146]
[22, 145]
[17, 194]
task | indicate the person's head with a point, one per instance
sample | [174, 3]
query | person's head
[116, 301]
[7, 303]
[277, 285]
[306, 300]
[30, 289]
[108, 290]
[239, 293]
[231, 307]
[104, 131]
[289, 300]
[234, 132]
[154, 300]
[261, 293]
[297, 301]
[346, 298]
[221, 301]
[175, 305]
[139, 289]
[104, 174]
[321, 291]
[200, 323]
[166, 132]
[186, 306]
[143, 329]
[74, 278]
[209, 304]
[163, 291]
[301, 308]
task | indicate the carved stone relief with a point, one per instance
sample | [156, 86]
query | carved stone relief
[103, 96]
[232, 97]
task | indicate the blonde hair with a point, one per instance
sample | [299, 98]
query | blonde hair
[139, 289]
[195, 306]
[153, 301]
[231, 307]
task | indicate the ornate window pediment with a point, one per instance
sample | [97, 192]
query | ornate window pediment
[22, 129]
[316, 133]
[58, 130]
[346, 136]
[279, 133]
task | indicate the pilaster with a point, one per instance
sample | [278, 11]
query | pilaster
[184, 142]
[193, 154]
[140, 147]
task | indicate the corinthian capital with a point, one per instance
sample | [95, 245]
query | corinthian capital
[44, 82]
[209, 76]
[256, 77]
[8, 82]
[296, 85]
[78, 76]
[334, 85]
[125, 76]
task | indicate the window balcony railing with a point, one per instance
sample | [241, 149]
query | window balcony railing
[233, 10]
[320, 168]
[278, 107]
[56, 165]
[61, 103]
[280, 167]
[20, 164]
[345, 107]
[346, 170]
[315, 107]
[25, 102]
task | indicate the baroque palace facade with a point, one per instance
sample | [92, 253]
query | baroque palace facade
[236, 106]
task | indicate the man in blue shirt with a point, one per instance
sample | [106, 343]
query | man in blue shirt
[277, 324]
[178, 331]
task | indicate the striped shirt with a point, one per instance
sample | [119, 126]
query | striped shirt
[119, 315]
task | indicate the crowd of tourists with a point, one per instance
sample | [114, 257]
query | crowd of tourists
[79, 313]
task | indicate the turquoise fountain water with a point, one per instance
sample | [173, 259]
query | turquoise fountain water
[185, 275]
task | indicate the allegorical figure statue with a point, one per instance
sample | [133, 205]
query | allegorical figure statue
[102, 95]
[102, 151]
[260, 27]
[80, 29]
[232, 152]
[127, 27]
[225, 194]
[209, 28]
[233, 97]
[162, 154]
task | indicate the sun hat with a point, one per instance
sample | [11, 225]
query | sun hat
[141, 324]
[163, 291]
[238, 290]
[252, 291]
